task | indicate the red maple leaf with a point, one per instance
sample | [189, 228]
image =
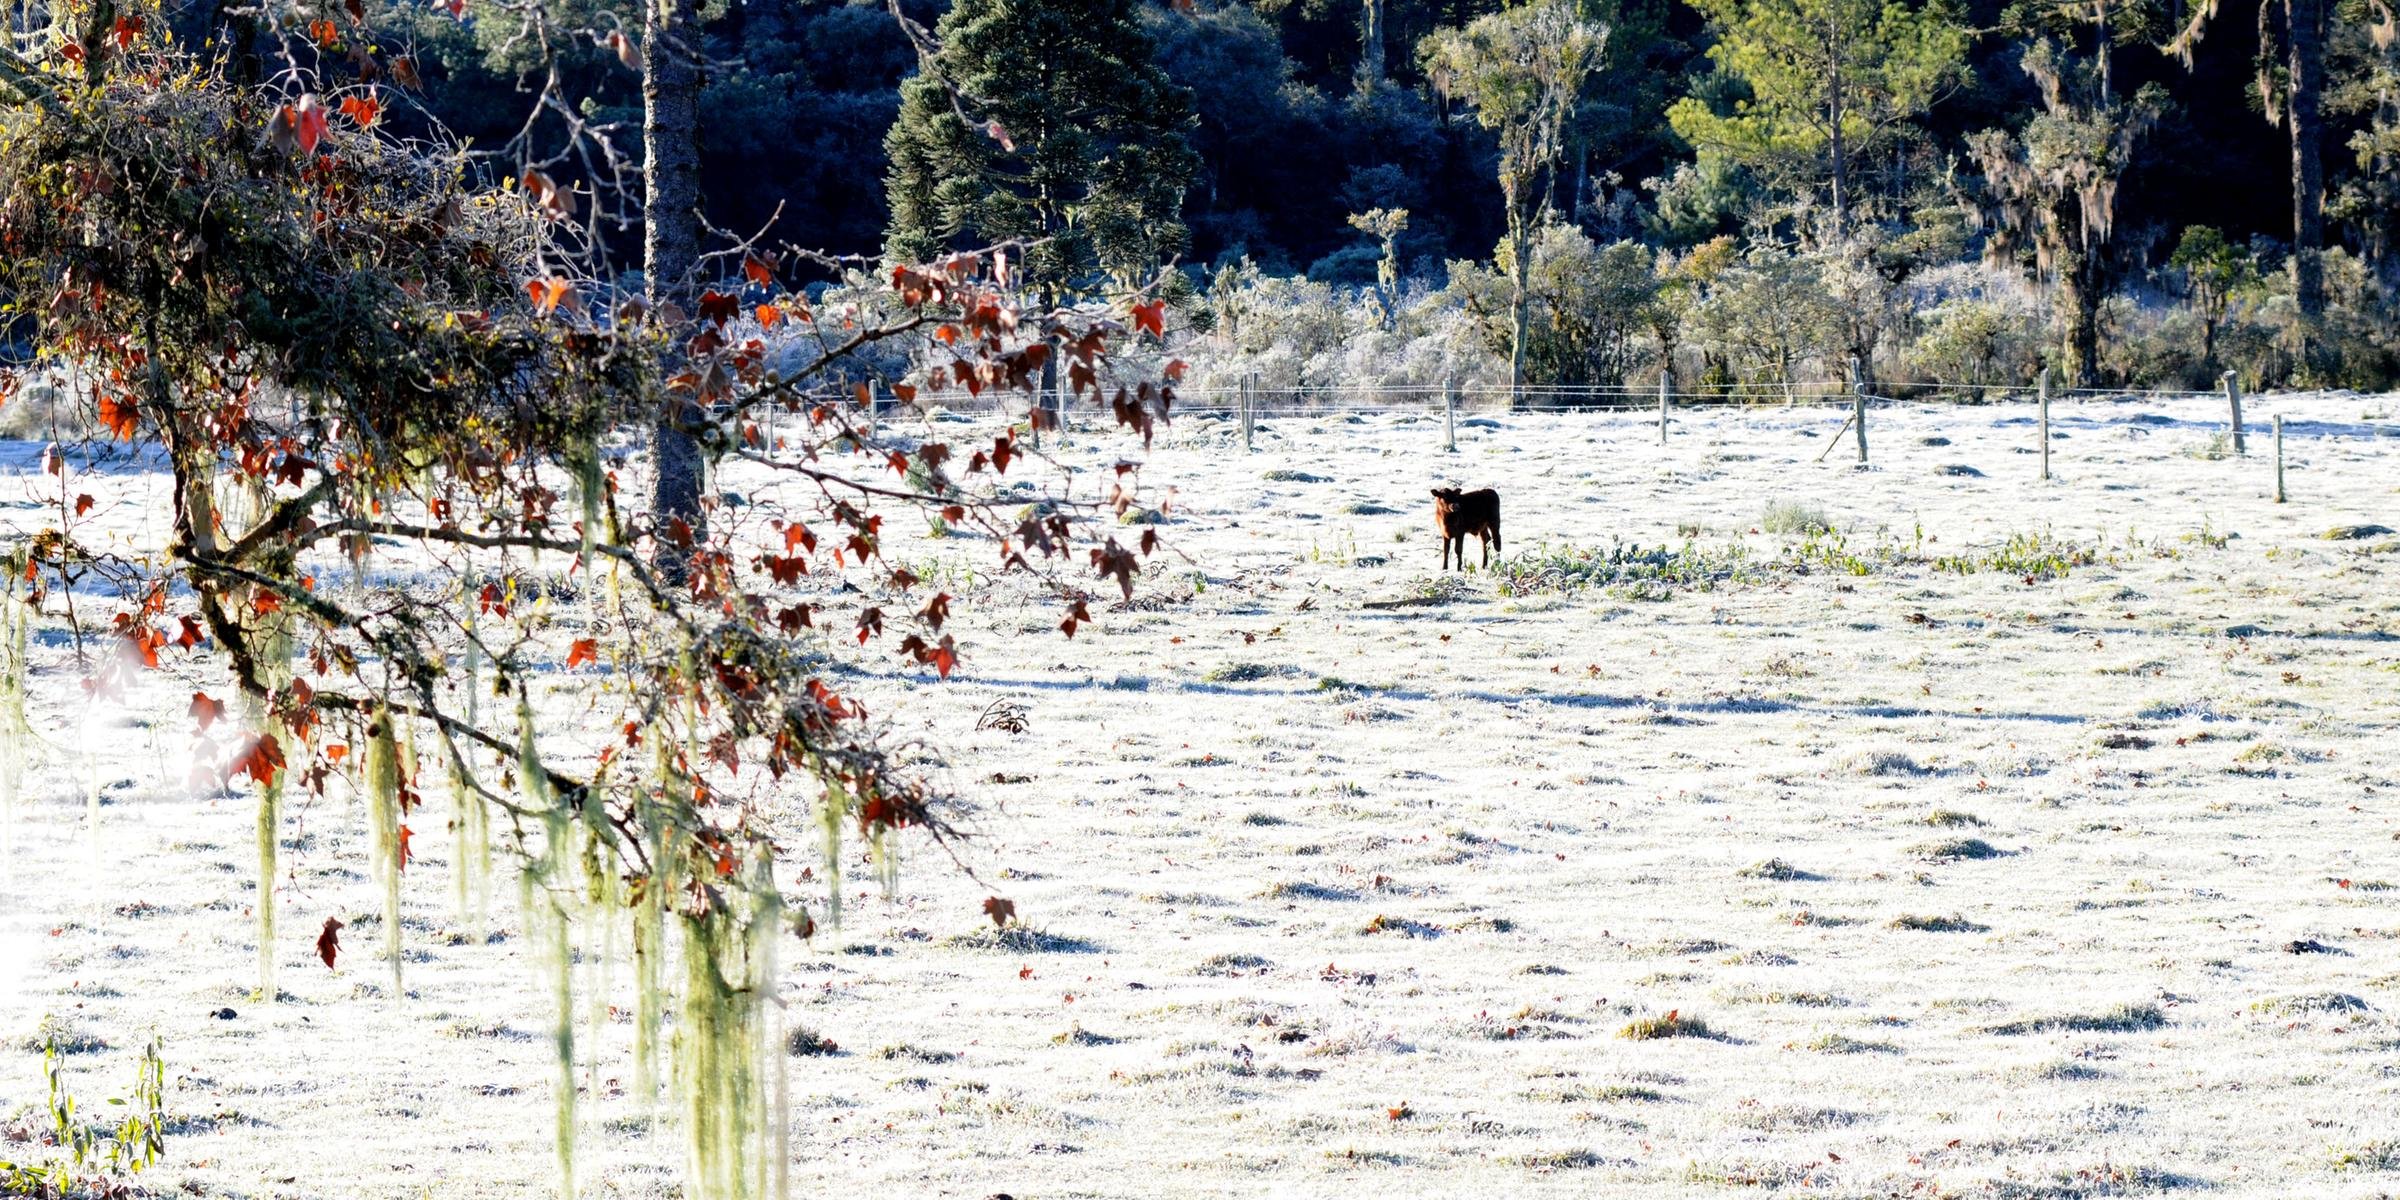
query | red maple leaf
[1151, 318]
[207, 711]
[121, 417]
[585, 650]
[329, 942]
[717, 307]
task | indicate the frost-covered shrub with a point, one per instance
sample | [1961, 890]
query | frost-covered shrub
[1975, 342]
[1295, 334]
[1772, 322]
[1589, 320]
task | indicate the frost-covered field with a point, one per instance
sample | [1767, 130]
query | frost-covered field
[1343, 883]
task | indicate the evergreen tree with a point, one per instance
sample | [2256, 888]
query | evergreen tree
[1523, 70]
[2052, 190]
[1045, 122]
[1825, 77]
[2291, 91]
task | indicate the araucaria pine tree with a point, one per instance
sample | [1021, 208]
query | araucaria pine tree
[1045, 122]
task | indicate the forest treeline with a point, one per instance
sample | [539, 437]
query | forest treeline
[1377, 192]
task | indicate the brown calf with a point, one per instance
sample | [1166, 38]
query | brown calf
[1457, 514]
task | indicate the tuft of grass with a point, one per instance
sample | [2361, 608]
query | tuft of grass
[1607, 1093]
[2123, 1018]
[1794, 517]
[2033, 557]
[1945, 818]
[1229, 965]
[2309, 1004]
[1836, 1043]
[1954, 849]
[1949, 924]
[804, 1042]
[902, 1050]
[1887, 763]
[1020, 939]
[1294, 889]
[1559, 1160]
[1672, 1025]
[1246, 672]
[2368, 1156]
[1775, 869]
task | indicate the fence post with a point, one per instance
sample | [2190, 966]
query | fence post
[1450, 415]
[1858, 409]
[1248, 381]
[2233, 400]
[2045, 422]
[1666, 376]
[2278, 458]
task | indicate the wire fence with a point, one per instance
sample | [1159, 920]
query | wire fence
[1469, 399]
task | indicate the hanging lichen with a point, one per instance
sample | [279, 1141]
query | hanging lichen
[16, 731]
[470, 813]
[545, 906]
[381, 783]
[471, 852]
[716, 1050]
[649, 901]
[274, 657]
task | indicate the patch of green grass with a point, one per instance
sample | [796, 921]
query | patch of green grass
[1607, 1093]
[1627, 569]
[1935, 924]
[1836, 1043]
[2368, 1156]
[2123, 1018]
[2310, 1004]
[1944, 818]
[2032, 556]
[1020, 939]
[1559, 1160]
[902, 1050]
[1954, 849]
[1246, 672]
[1775, 869]
[1786, 517]
[1672, 1025]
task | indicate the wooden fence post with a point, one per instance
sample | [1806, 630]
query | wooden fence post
[1858, 409]
[2233, 400]
[1249, 381]
[2045, 422]
[2278, 458]
[1666, 376]
[1450, 415]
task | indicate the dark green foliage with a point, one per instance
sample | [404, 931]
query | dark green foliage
[1046, 124]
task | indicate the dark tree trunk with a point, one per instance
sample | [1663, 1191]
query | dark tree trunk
[2079, 313]
[671, 241]
[2308, 170]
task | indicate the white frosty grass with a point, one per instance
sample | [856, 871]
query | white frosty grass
[1987, 889]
